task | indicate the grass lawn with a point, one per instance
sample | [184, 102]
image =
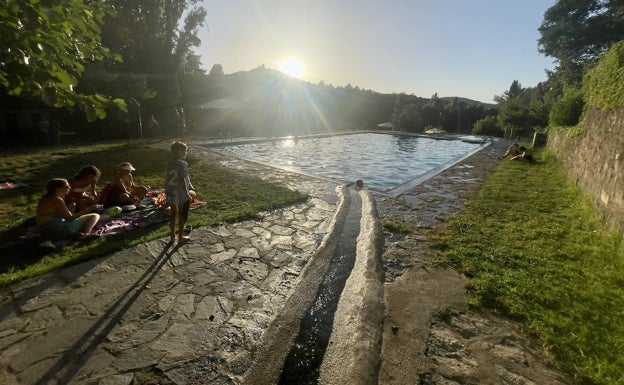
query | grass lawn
[230, 195]
[535, 249]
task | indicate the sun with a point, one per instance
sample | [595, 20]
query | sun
[292, 67]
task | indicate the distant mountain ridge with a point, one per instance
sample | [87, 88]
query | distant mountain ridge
[267, 102]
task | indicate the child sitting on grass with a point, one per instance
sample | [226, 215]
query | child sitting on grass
[55, 219]
[179, 190]
[83, 192]
[123, 191]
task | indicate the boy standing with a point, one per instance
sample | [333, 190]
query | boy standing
[179, 190]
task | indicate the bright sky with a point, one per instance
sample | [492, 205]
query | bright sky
[473, 49]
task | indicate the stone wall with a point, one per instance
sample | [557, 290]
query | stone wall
[594, 161]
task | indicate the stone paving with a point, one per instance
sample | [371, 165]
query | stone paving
[172, 314]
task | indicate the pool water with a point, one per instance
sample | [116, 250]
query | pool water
[382, 161]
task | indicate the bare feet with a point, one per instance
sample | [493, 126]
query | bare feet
[183, 239]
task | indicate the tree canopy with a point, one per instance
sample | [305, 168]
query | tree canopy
[46, 47]
[577, 31]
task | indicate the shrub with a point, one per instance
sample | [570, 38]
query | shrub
[603, 85]
[567, 110]
[487, 126]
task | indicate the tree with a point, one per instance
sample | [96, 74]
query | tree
[575, 32]
[408, 118]
[514, 91]
[432, 111]
[45, 48]
[216, 70]
[156, 39]
[455, 107]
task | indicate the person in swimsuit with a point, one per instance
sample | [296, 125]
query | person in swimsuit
[56, 221]
[123, 190]
[179, 190]
[83, 188]
[512, 150]
[524, 155]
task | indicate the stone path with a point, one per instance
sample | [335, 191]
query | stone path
[201, 314]
[176, 315]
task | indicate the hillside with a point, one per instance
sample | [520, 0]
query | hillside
[265, 102]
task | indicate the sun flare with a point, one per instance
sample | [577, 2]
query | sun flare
[292, 67]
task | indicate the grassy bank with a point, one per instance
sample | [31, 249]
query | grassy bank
[230, 196]
[536, 250]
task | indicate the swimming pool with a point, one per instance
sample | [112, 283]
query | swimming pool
[382, 161]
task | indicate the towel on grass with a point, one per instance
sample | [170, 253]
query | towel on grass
[155, 210]
[11, 185]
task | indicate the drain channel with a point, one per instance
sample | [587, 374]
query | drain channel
[304, 360]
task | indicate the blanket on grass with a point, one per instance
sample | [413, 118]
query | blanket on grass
[153, 210]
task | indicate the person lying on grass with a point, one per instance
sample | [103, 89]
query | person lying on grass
[525, 155]
[56, 220]
[512, 150]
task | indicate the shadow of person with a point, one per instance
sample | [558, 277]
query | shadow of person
[74, 358]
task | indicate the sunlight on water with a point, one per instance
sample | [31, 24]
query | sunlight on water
[382, 161]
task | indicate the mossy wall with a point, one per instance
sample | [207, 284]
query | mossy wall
[594, 159]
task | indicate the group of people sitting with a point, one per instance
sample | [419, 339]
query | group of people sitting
[520, 153]
[70, 208]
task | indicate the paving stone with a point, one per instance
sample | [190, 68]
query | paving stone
[248, 252]
[258, 230]
[96, 366]
[236, 242]
[216, 248]
[57, 341]
[117, 379]
[245, 233]
[281, 230]
[221, 231]
[44, 318]
[282, 242]
[133, 306]
[10, 345]
[280, 258]
[254, 272]
[135, 359]
[510, 378]
[38, 294]
[262, 246]
[213, 310]
[202, 370]
[222, 257]
[9, 321]
[36, 372]
[75, 311]
[204, 277]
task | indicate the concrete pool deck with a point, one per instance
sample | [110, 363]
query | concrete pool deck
[220, 309]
